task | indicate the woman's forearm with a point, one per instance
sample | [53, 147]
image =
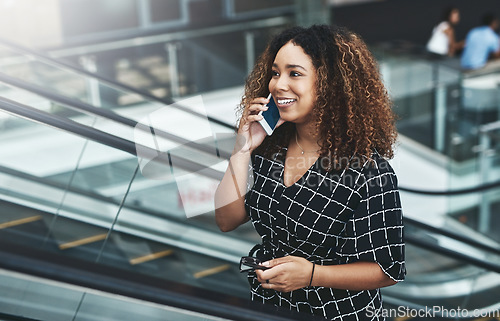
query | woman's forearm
[353, 276]
[229, 196]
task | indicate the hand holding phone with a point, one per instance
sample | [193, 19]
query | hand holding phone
[271, 116]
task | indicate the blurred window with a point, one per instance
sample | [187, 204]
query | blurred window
[238, 8]
[81, 17]
[165, 10]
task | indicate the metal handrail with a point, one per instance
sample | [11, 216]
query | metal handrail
[451, 234]
[109, 114]
[99, 136]
[423, 242]
[460, 191]
[155, 38]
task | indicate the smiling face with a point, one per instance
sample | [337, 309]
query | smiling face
[293, 84]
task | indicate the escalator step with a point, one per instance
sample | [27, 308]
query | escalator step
[20, 221]
[150, 257]
[33, 234]
[211, 271]
[83, 241]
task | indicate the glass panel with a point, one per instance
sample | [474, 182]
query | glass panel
[212, 62]
[181, 65]
[38, 102]
[52, 181]
[63, 193]
[111, 308]
[63, 81]
[40, 299]
[445, 144]
[96, 94]
[437, 281]
[480, 214]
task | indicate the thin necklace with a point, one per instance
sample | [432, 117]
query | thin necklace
[304, 151]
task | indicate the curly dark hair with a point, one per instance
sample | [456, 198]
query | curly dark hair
[353, 112]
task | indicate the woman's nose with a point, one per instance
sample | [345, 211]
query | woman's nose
[281, 83]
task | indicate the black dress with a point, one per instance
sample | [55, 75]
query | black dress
[328, 218]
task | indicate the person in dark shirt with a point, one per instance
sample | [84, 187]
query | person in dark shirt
[319, 190]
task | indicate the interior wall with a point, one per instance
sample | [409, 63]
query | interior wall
[410, 20]
[31, 22]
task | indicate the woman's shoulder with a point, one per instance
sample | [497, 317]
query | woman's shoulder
[443, 25]
[375, 167]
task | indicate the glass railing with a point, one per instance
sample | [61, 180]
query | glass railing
[166, 66]
[41, 285]
[34, 84]
[443, 114]
[49, 300]
[445, 284]
[89, 201]
[446, 145]
[426, 98]
[82, 198]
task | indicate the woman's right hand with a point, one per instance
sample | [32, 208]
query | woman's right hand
[250, 132]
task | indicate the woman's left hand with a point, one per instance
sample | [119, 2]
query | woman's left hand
[285, 274]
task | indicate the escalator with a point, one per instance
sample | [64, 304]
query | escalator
[94, 217]
[78, 207]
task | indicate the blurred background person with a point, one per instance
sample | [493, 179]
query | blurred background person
[481, 43]
[442, 41]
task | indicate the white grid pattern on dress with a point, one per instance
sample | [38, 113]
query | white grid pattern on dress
[331, 222]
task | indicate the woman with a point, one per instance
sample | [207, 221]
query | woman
[442, 41]
[323, 199]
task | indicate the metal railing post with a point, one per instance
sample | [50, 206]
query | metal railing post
[439, 109]
[93, 91]
[171, 49]
[250, 50]
[485, 166]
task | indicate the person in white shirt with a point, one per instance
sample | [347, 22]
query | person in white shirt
[442, 41]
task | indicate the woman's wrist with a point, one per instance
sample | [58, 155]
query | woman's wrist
[319, 274]
[312, 274]
[241, 155]
[241, 145]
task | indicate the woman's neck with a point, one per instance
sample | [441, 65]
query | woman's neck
[307, 138]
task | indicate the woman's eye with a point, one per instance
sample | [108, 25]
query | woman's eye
[294, 74]
[274, 73]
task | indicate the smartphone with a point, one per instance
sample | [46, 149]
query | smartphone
[271, 116]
